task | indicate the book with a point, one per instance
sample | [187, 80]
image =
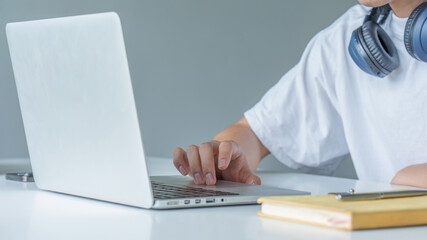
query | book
[326, 211]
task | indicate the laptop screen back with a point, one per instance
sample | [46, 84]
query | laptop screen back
[78, 108]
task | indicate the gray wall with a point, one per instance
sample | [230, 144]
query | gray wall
[196, 65]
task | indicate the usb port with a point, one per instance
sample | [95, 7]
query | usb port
[169, 203]
[187, 202]
[198, 201]
[210, 200]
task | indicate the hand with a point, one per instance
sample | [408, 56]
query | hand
[413, 175]
[214, 160]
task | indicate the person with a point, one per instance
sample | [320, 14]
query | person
[337, 100]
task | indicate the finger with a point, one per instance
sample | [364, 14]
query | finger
[224, 155]
[208, 162]
[227, 150]
[254, 180]
[215, 146]
[195, 165]
[249, 177]
[180, 161]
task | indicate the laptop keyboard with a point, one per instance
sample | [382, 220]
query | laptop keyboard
[167, 191]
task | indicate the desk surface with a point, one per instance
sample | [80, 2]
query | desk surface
[29, 213]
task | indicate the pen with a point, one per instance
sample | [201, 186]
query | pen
[379, 195]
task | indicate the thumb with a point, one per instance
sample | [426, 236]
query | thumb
[250, 178]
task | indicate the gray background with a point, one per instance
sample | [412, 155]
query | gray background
[196, 65]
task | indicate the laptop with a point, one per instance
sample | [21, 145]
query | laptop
[81, 122]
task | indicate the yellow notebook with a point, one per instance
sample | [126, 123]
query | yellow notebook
[325, 210]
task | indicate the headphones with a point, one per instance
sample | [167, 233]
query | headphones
[374, 52]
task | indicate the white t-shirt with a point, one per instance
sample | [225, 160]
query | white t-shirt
[325, 108]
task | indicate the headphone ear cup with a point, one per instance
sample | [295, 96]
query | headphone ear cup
[416, 33]
[373, 50]
[379, 47]
[359, 56]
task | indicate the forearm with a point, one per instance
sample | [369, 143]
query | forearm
[241, 133]
[414, 175]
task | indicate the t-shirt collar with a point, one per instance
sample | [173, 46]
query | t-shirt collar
[396, 26]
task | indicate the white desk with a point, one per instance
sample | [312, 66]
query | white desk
[28, 213]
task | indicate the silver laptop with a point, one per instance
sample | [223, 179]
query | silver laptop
[81, 122]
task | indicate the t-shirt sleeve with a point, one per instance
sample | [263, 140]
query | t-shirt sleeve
[298, 119]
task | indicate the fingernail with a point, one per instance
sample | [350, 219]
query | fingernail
[253, 182]
[209, 179]
[197, 178]
[221, 163]
[181, 169]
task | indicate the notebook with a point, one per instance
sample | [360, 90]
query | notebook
[326, 211]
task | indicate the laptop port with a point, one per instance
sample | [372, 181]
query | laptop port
[198, 201]
[210, 200]
[170, 203]
[186, 201]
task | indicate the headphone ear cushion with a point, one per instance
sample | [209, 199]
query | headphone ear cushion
[379, 47]
[414, 24]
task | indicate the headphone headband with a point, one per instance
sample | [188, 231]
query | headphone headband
[378, 12]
